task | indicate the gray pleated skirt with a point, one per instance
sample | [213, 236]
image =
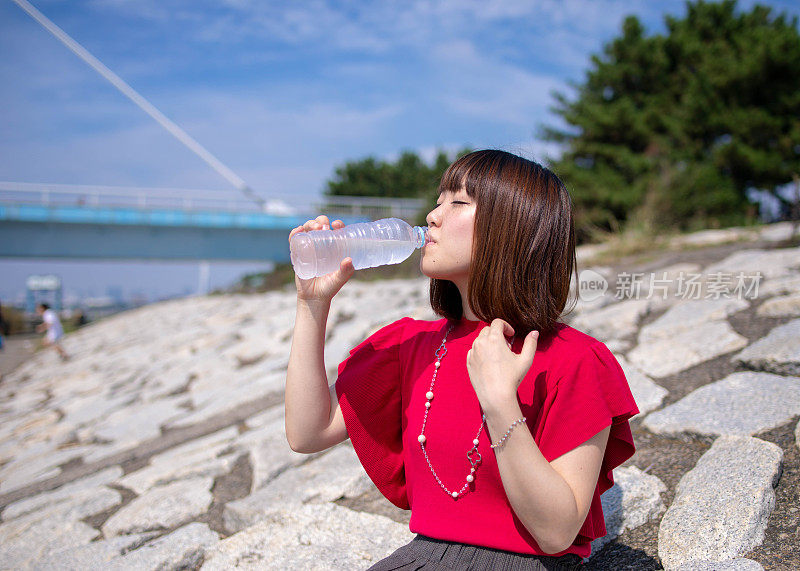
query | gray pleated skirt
[436, 554]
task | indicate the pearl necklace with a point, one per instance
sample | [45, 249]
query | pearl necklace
[473, 455]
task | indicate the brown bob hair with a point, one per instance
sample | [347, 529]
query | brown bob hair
[523, 251]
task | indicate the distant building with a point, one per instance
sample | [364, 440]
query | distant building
[44, 288]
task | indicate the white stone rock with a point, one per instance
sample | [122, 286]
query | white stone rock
[647, 394]
[249, 351]
[778, 352]
[587, 305]
[204, 448]
[120, 387]
[335, 474]
[80, 498]
[22, 478]
[783, 306]
[713, 237]
[345, 337]
[33, 423]
[662, 287]
[722, 505]
[162, 507]
[738, 564]
[227, 397]
[778, 231]
[313, 537]
[201, 457]
[265, 418]
[27, 399]
[171, 379]
[768, 263]
[618, 346]
[742, 403]
[688, 315]
[95, 555]
[612, 321]
[270, 454]
[664, 357]
[139, 422]
[184, 548]
[29, 539]
[633, 500]
[90, 409]
[689, 333]
[585, 253]
[87, 383]
[789, 284]
[35, 463]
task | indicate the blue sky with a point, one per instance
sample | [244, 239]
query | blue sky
[282, 92]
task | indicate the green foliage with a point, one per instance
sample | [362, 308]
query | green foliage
[407, 177]
[671, 130]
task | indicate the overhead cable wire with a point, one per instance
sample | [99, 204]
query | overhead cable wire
[140, 101]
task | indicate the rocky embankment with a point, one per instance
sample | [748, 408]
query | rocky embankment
[160, 444]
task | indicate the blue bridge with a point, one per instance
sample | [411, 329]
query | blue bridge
[62, 221]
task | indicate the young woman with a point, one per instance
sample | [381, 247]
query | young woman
[497, 425]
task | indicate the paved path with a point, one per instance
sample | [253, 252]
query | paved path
[16, 350]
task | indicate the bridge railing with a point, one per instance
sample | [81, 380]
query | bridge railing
[129, 197]
[52, 195]
[373, 208]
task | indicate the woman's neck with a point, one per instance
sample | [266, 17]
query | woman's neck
[467, 312]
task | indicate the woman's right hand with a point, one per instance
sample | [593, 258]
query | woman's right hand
[324, 287]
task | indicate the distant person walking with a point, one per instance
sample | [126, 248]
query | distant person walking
[52, 325]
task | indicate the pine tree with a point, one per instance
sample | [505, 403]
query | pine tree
[672, 130]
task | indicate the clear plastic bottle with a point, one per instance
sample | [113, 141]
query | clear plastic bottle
[369, 244]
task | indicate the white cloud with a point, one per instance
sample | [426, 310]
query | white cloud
[492, 90]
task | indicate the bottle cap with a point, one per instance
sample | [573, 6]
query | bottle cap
[421, 236]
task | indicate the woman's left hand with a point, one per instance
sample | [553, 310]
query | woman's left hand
[494, 369]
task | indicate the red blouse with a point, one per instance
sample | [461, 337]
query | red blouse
[574, 389]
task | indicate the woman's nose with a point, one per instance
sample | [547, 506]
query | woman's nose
[432, 218]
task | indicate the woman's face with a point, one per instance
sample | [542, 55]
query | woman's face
[448, 253]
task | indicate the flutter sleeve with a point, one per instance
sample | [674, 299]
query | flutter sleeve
[369, 392]
[590, 394]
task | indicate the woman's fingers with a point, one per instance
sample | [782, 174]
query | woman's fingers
[339, 277]
[295, 231]
[501, 329]
[529, 347]
[346, 268]
[500, 326]
[321, 222]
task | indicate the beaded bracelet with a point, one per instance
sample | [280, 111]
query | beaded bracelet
[508, 432]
